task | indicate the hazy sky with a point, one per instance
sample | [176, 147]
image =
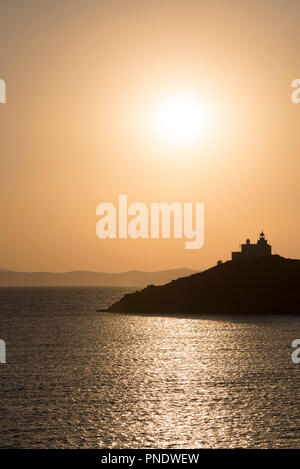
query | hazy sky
[83, 79]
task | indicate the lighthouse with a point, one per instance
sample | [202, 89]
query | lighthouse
[253, 251]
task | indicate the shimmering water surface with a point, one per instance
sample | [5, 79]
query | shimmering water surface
[78, 378]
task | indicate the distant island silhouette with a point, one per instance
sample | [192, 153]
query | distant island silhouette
[269, 284]
[133, 278]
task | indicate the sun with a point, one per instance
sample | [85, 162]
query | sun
[181, 119]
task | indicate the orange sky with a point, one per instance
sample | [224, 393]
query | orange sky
[82, 79]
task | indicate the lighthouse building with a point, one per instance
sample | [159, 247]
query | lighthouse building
[252, 251]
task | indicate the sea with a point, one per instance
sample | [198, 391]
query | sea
[76, 377]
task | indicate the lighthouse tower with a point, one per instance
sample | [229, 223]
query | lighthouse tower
[253, 251]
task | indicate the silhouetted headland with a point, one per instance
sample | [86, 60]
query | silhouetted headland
[264, 285]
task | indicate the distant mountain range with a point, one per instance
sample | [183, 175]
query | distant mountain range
[133, 278]
[267, 285]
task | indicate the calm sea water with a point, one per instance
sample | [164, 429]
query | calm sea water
[78, 378]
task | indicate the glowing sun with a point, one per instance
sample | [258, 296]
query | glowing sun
[181, 119]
